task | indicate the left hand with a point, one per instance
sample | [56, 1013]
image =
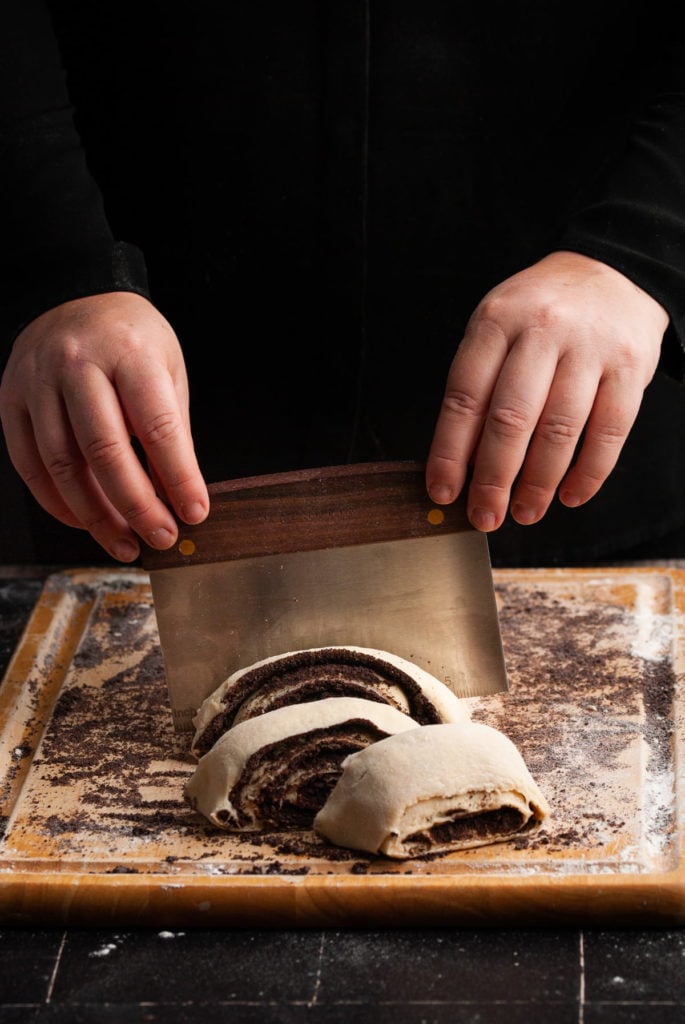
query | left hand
[564, 347]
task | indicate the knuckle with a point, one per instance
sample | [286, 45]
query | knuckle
[161, 429]
[95, 524]
[490, 490]
[607, 435]
[102, 453]
[63, 467]
[630, 359]
[128, 330]
[509, 421]
[557, 431]
[588, 482]
[130, 341]
[180, 482]
[534, 489]
[494, 308]
[488, 314]
[69, 357]
[443, 457]
[460, 403]
[137, 512]
[32, 475]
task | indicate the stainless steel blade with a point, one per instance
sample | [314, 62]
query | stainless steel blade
[430, 600]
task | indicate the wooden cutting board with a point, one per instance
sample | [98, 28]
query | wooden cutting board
[95, 831]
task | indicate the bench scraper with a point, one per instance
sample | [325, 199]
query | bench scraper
[343, 555]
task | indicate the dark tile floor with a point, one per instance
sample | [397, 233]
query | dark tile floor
[418, 975]
[402, 976]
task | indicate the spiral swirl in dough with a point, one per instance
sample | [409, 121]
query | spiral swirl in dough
[277, 768]
[432, 790]
[298, 677]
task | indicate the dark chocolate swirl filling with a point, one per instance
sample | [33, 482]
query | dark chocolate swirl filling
[461, 828]
[284, 784]
[314, 675]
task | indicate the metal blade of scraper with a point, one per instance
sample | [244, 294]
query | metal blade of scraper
[351, 555]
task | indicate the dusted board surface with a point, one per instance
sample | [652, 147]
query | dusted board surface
[91, 772]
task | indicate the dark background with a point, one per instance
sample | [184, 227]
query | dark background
[323, 195]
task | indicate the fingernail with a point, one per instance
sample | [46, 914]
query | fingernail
[482, 519]
[441, 494]
[194, 512]
[570, 500]
[523, 514]
[161, 538]
[125, 550]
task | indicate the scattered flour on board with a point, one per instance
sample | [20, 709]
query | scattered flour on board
[653, 636]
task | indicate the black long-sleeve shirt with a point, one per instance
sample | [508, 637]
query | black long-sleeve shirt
[327, 190]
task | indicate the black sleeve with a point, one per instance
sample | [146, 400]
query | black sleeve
[55, 242]
[635, 220]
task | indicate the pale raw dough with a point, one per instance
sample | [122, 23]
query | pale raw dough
[398, 796]
[278, 767]
[279, 679]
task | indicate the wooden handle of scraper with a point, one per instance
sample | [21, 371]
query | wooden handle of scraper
[311, 509]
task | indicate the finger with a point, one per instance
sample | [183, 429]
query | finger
[24, 455]
[95, 415]
[554, 441]
[468, 389]
[613, 414]
[70, 477]
[517, 402]
[157, 409]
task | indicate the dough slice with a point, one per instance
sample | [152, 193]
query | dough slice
[278, 768]
[430, 790]
[319, 672]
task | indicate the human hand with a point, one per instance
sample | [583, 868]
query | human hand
[81, 380]
[567, 345]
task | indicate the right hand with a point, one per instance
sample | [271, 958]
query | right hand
[81, 380]
[561, 350]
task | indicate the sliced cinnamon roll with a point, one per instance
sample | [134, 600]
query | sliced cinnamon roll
[432, 790]
[297, 677]
[277, 768]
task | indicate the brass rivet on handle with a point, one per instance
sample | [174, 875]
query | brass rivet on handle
[186, 547]
[436, 516]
